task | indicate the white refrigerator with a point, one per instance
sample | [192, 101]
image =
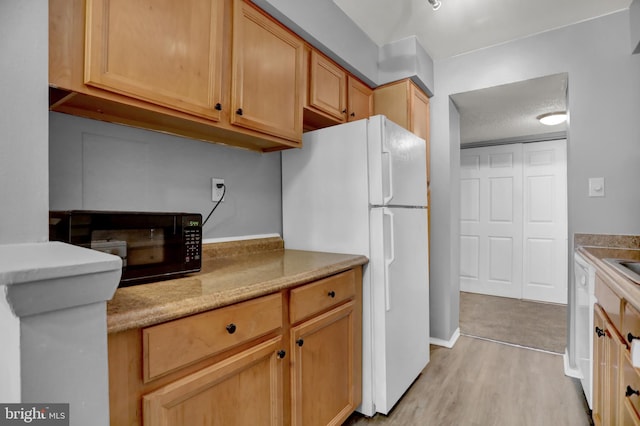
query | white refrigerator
[361, 188]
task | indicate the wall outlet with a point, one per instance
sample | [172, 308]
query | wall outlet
[216, 193]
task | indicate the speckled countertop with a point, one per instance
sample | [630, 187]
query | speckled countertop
[599, 247]
[231, 272]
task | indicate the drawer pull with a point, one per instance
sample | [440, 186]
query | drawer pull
[239, 111]
[300, 342]
[630, 391]
[281, 354]
[231, 328]
[599, 332]
[630, 337]
[332, 294]
[218, 107]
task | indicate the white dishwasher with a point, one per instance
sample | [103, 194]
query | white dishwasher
[583, 328]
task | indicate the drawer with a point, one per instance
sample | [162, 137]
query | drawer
[178, 343]
[630, 324]
[630, 384]
[321, 295]
[609, 301]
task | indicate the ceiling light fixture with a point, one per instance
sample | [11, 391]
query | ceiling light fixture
[553, 118]
[435, 4]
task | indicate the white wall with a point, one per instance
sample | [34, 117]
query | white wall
[103, 166]
[604, 137]
[23, 154]
[634, 11]
[23, 123]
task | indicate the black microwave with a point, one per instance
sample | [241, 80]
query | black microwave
[153, 246]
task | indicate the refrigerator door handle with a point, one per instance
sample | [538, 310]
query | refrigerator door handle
[390, 163]
[388, 260]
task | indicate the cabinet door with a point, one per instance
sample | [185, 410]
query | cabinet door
[599, 365]
[245, 389]
[161, 51]
[328, 87]
[267, 66]
[607, 364]
[323, 388]
[360, 99]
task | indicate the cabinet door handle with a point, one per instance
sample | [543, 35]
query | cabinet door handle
[630, 337]
[630, 391]
[300, 342]
[281, 354]
[332, 294]
[599, 332]
[239, 111]
[231, 328]
[218, 106]
[344, 111]
[353, 114]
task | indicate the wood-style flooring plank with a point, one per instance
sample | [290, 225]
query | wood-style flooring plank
[483, 383]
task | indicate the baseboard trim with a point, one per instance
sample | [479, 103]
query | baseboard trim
[446, 343]
[568, 370]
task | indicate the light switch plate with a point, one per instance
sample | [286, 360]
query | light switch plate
[596, 187]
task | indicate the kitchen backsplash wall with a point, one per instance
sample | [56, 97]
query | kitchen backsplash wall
[103, 166]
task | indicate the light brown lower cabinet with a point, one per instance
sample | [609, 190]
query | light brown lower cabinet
[322, 387]
[245, 389]
[608, 347]
[616, 383]
[291, 357]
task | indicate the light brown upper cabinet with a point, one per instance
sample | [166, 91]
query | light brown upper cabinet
[327, 87]
[169, 53]
[360, 99]
[171, 67]
[405, 104]
[332, 96]
[267, 74]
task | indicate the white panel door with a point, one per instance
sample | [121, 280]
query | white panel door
[491, 220]
[545, 221]
[513, 221]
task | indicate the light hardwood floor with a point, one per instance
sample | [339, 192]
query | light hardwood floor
[483, 383]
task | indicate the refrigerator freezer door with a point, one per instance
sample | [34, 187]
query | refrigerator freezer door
[397, 165]
[400, 288]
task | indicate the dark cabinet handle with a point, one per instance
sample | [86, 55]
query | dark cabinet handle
[630, 391]
[332, 294]
[231, 328]
[281, 354]
[344, 111]
[353, 114]
[630, 337]
[599, 332]
[300, 342]
[218, 106]
[239, 111]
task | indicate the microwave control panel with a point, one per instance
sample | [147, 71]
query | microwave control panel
[193, 240]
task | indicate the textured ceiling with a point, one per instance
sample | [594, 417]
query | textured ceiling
[509, 111]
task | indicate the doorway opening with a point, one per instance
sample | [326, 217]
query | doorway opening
[513, 214]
